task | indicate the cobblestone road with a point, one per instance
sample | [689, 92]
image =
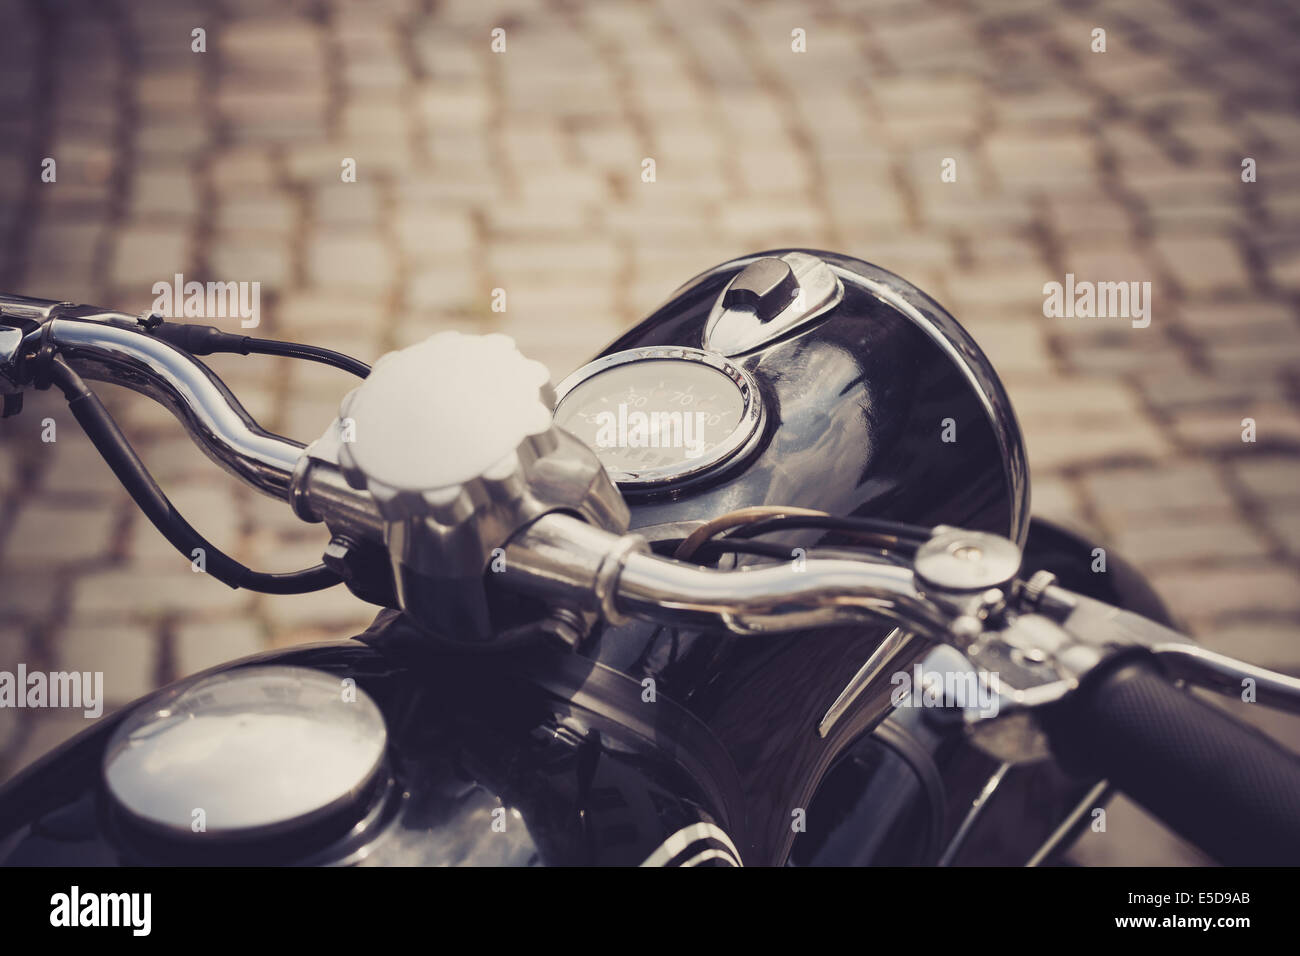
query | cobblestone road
[522, 170]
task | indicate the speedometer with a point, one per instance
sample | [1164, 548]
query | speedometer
[661, 414]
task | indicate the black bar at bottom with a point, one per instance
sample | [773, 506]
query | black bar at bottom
[1016, 907]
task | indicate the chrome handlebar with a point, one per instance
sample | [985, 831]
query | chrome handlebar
[563, 560]
[961, 591]
[99, 348]
[1036, 643]
[111, 347]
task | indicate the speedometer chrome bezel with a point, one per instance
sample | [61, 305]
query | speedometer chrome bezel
[739, 442]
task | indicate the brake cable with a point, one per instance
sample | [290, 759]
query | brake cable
[112, 444]
[750, 522]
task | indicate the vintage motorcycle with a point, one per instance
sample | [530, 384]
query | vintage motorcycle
[757, 585]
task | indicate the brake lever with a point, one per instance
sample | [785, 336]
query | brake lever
[1031, 643]
[1182, 658]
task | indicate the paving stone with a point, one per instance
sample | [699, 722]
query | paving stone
[1067, 161]
[1161, 182]
[126, 656]
[236, 258]
[27, 596]
[1012, 345]
[72, 245]
[1210, 541]
[235, 168]
[1260, 357]
[1284, 269]
[1089, 217]
[1177, 388]
[1238, 321]
[160, 139]
[1276, 427]
[210, 508]
[1222, 593]
[279, 115]
[432, 235]
[1045, 109]
[1204, 264]
[458, 106]
[347, 205]
[905, 253]
[205, 644]
[241, 212]
[50, 536]
[322, 313]
[144, 255]
[334, 612]
[1136, 494]
[13, 650]
[353, 259]
[1284, 523]
[579, 257]
[125, 594]
[284, 45]
[867, 208]
[307, 416]
[1055, 499]
[1007, 213]
[173, 459]
[1269, 479]
[170, 91]
[1109, 261]
[15, 645]
[454, 289]
[1062, 444]
[1273, 644]
[72, 469]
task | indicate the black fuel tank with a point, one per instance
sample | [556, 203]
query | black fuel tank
[879, 406]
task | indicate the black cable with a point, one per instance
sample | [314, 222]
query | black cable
[896, 541]
[711, 551]
[109, 441]
[208, 339]
[718, 546]
[895, 535]
[311, 353]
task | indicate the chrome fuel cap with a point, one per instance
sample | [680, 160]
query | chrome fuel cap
[254, 752]
[454, 442]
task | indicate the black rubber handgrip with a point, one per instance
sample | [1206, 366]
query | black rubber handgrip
[1223, 785]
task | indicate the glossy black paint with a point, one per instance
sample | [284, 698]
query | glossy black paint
[588, 770]
[856, 403]
[469, 734]
[877, 808]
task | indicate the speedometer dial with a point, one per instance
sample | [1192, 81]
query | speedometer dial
[657, 415]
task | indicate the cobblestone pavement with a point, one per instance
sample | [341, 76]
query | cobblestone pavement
[522, 170]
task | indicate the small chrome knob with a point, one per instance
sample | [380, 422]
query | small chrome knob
[960, 560]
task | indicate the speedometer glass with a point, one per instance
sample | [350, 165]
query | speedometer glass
[657, 415]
